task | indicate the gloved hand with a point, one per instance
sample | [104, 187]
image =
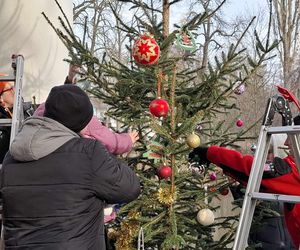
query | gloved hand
[278, 167]
[199, 155]
[297, 120]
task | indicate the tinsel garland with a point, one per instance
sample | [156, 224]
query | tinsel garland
[166, 196]
[129, 229]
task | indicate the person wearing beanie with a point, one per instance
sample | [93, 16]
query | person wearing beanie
[116, 143]
[55, 183]
[282, 178]
[70, 106]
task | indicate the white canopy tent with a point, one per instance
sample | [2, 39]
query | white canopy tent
[23, 30]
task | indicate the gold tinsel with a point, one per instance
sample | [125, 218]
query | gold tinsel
[128, 231]
[112, 234]
[165, 195]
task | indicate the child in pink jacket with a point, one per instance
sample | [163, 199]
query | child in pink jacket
[114, 142]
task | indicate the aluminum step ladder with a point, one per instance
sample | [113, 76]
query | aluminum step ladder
[17, 116]
[276, 104]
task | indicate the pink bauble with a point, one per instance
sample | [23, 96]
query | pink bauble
[239, 123]
[240, 89]
[213, 176]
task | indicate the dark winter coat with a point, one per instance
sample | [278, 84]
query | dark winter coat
[5, 130]
[4, 135]
[55, 185]
[271, 233]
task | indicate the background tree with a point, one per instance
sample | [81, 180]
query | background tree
[286, 27]
[170, 207]
[94, 24]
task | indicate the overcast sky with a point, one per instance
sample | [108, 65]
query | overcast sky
[231, 9]
[242, 7]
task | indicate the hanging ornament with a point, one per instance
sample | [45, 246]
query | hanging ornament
[253, 148]
[159, 107]
[164, 172]
[166, 196]
[239, 123]
[155, 151]
[141, 240]
[199, 128]
[213, 176]
[185, 40]
[193, 141]
[129, 228]
[205, 217]
[145, 50]
[224, 191]
[196, 168]
[239, 88]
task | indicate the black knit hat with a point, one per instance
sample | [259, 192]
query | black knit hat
[70, 106]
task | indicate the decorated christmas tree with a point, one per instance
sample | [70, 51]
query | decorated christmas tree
[177, 96]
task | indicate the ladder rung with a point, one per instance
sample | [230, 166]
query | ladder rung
[284, 129]
[275, 197]
[7, 78]
[5, 122]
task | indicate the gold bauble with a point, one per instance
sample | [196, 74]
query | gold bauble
[193, 141]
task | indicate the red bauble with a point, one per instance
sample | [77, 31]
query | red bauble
[165, 172]
[145, 50]
[159, 107]
[239, 123]
[224, 191]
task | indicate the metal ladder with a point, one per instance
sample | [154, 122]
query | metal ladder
[18, 116]
[276, 104]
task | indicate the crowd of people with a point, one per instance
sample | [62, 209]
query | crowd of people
[61, 172]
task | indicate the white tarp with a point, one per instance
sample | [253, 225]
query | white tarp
[23, 30]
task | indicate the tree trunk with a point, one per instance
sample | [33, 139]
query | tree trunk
[166, 18]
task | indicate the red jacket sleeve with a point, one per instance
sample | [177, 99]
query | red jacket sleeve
[238, 166]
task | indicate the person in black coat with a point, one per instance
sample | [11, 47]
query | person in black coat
[55, 184]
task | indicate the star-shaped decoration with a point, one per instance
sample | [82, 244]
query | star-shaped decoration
[145, 49]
